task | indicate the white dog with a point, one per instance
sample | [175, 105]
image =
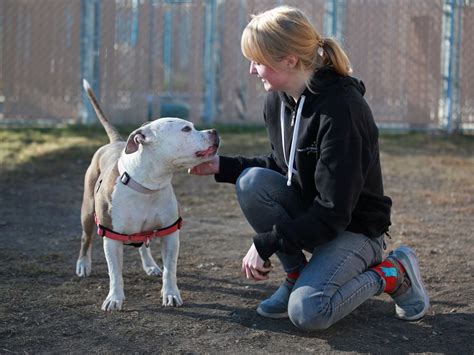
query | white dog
[128, 196]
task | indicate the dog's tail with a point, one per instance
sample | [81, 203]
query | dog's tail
[112, 132]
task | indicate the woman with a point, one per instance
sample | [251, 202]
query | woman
[320, 190]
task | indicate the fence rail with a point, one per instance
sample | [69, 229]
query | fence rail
[147, 58]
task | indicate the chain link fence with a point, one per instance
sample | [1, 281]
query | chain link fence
[152, 58]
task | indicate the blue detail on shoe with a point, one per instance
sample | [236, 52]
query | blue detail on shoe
[276, 306]
[389, 271]
[414, 302]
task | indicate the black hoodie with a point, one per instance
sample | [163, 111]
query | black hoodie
[336, 159]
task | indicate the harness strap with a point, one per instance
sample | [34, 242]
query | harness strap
[141, 237]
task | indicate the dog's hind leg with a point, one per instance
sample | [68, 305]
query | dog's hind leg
[84, 261]
[148, 263]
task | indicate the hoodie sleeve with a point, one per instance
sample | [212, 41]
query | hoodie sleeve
[339, 178]
[232, 167]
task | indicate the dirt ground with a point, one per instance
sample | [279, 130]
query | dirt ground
[45, 308]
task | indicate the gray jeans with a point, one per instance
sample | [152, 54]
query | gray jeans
[336, 279]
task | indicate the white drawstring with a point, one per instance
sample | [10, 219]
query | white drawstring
[282, 124]
[290, 164]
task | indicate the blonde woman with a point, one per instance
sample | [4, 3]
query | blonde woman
[320, 189]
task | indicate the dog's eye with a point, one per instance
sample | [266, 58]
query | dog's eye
[186, 129]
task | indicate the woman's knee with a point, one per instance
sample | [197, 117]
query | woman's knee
[309, 311]
[248, 181]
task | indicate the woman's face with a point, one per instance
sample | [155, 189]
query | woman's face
[273, 79]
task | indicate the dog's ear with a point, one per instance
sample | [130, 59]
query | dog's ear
[136, 138]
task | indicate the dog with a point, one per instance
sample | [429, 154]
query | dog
[129, 198]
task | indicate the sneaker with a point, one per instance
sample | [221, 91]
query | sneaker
[411, 300]
[276, 306]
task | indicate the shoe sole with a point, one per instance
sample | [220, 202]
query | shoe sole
[272, 315]
[408, 259]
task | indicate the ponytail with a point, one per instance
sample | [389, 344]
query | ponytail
[331, 54]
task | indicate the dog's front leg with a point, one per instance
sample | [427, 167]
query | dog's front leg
[113, 250]
[169, 253]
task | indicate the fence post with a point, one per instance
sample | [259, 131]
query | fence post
[2, 77]
[450, 113]
[334, 18]
[90, 44]
[150, 98]
[210, 68]
[457, 120]
[168, 48]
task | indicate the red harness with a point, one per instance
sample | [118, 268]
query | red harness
[142, 237]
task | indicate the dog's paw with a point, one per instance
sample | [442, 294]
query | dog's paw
[171, 298]
[113, 303]
[152, 270]
[83, 267]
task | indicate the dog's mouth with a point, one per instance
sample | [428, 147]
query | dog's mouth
[209, 152]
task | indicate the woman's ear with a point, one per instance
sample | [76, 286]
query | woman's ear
[291, 61]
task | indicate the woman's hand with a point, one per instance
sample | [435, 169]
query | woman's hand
[208, 168]
[253, 266]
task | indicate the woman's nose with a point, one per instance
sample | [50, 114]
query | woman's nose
[252, 68]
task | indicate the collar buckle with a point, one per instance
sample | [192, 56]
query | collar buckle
[125, 178]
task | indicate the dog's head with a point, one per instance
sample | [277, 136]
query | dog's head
[174, 142]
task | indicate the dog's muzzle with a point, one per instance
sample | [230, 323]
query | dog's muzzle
[212, 150]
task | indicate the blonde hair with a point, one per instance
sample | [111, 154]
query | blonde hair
[272, 35]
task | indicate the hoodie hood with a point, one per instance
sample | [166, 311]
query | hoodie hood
[358, 84]
[324, 80]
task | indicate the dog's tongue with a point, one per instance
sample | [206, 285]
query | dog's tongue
[205, 153]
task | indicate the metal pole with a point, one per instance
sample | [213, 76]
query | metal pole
[2, 78]
[450, 51]
[168, 48]
[328, 18]
[334, 19]
[457, 68]
[209, 62]
[151, 59]
[89, 61]
[449, 11]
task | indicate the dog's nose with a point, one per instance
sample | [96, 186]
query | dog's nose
[214, 134]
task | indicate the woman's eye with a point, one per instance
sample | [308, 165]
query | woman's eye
[186, 129]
